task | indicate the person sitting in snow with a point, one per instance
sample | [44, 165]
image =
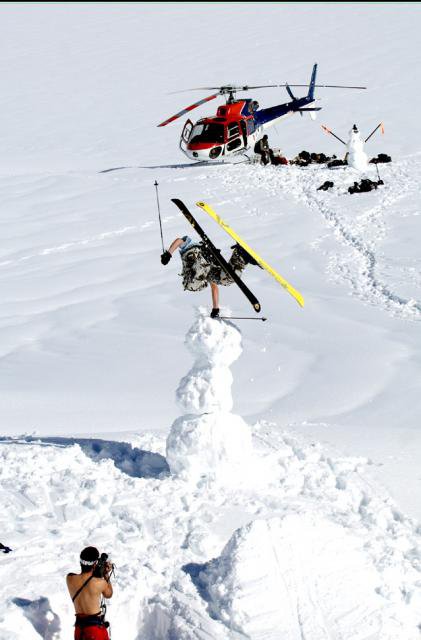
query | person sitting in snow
[263, 150]
[200, 268]
[86, 591]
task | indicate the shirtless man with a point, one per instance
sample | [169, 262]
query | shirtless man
[86, 592]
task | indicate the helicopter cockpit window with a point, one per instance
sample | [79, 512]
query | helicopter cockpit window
[210, 132]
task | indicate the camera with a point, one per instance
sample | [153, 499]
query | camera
[103, 567]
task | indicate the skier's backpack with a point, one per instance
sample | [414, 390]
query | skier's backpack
[365, 185]
[381, 158]
[336, 163]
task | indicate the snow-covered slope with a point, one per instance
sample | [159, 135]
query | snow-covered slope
[92, 327]
[314, 548]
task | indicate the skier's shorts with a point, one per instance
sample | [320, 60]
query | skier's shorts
[91, 627]
[199, 268]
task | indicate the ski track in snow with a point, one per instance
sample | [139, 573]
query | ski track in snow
[76, 244]
[28, 189]
[360, 232]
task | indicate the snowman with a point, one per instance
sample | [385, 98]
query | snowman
[356, 157]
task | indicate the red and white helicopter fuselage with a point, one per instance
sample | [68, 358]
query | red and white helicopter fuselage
[238, 124]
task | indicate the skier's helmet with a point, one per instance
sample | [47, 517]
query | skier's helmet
[355, 128]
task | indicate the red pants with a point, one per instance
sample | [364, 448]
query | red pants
[91, 633]
[88, 630]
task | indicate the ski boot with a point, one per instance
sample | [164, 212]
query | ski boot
[214, 313]
[241, 257]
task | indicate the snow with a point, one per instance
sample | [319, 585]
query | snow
[207, 386]
[275, 577]
[282, 476]
[196, 561]
[215, 444]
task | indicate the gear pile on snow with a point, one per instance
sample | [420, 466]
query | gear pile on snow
[209, 442]
[336, 163]
[381, 158]
[304, 158]
[365, 185]
[325, 186]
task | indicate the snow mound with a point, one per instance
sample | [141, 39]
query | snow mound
[214, 446]
[215, 346]
[214, 341]
[209, 441]
[301, 576]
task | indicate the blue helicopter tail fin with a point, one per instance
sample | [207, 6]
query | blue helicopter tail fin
[312, 83]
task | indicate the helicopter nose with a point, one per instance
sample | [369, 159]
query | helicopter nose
[201, 154]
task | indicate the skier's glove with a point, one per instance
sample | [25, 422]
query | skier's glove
[166, 257]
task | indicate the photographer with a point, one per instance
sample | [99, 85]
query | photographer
[87, 590]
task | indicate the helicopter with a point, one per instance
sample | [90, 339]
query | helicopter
[238, 124]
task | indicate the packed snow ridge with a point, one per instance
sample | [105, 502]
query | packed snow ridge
[209, 441]
[297, 576]
[254, 534]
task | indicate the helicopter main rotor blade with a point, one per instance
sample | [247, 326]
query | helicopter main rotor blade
[324, 86]
[230, 88]
[187, 109]
[233, 88]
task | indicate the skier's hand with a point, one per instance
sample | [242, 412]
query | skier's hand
[166, 257]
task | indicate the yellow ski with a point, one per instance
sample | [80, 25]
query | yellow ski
[284, 283]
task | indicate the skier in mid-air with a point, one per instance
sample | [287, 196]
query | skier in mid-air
[201, 269]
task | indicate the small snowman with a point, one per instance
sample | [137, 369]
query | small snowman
[356, 156]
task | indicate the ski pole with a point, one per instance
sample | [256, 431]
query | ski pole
[378, 173]
[159, 215]
[240, 318]
[333, 134]
[374, 131]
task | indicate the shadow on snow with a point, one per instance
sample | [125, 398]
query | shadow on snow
[130, 460]
[181, 165]
[41, 616]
